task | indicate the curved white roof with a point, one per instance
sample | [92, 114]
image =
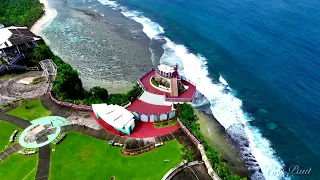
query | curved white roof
[115, 115]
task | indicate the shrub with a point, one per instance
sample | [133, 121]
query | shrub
[186, 154]
[37, 80]
[98, 92]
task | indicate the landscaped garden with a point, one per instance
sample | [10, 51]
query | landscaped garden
[18, 166]
[163, 124]
[5, 133]
[30, 110]
[83, 157]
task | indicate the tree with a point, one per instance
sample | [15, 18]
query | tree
[186, 154]
[20, 12]
[98, 92]
[67, 84]
[41, 52]
[25, 103]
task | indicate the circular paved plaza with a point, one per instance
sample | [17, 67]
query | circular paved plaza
[42, 131]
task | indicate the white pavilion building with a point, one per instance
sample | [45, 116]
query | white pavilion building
[116, 116]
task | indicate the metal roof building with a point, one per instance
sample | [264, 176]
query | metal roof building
[14, 36]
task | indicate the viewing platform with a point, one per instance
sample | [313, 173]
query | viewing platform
[185, 96]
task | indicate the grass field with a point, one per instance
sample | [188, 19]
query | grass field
[6, 129]
[33, 110]
[83, 157]
[18, 166]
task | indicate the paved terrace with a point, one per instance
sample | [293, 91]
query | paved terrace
[145, 80]
[147, 108]
[141, 130]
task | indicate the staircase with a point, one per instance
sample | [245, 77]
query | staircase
[12, 63]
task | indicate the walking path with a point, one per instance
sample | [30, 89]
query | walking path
[56, 110]
[14, 120]
[10, 150]
[43, 163]
[195, 170]
[104, 135]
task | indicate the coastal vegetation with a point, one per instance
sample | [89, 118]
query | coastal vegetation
[67, 86]
[189, 119]
[30, 110]
[84, 157]
[186, 154]
[20, 12]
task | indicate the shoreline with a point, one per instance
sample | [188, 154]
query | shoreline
[219, 140]
[48, 15]
[215, 134]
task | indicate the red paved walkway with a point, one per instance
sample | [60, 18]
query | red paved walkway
[146, 108]
[142, 129]
[186, 94]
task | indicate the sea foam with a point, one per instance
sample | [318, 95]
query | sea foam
[224, 106]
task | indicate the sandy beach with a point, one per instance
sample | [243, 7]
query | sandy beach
[216, 135]
[49, 14]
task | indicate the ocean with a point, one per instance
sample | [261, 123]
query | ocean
[255, 63]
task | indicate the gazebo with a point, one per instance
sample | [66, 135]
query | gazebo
[49, 68]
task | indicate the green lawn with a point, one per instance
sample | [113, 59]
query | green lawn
[18, 166]
[83, 157]
[35, 111]
[6, 129]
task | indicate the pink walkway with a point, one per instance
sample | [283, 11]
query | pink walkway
[186, 94]
[142, 129]
[146, 108]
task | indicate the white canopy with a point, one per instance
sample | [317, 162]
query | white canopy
[115, 115]
[165, 68]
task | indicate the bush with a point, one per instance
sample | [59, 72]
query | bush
[41, 52]
[37, 80]
[26, 104]
[98, 92]
[189, 119]
[186, 154]
[6, 104]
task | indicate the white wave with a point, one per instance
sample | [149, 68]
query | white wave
[223, 81]
[151, 29]
[109, 3]
[224, 106]
[102, 15]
